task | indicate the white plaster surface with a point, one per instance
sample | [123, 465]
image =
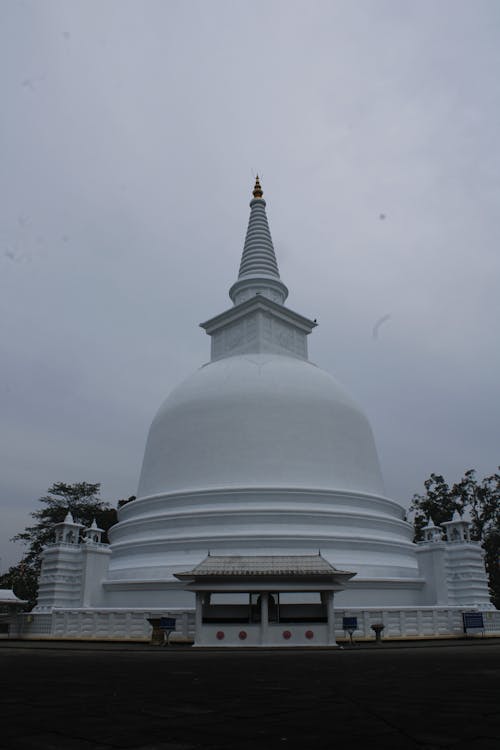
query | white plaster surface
[262, 454]
[259, 421]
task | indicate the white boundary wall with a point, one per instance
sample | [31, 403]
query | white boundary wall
[127, 625]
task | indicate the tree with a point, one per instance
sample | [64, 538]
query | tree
[125, 500]
[83, 502]
[438, 503]
[482, 501]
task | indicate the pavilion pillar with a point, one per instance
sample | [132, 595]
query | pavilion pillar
[264, 617]
[330, 618]
[198, 618]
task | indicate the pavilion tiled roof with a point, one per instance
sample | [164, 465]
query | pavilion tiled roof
[262, 565]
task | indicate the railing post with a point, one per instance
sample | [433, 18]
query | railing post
[264, 617]
[198, 618]
[330, 618]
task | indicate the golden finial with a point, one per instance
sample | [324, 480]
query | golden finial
[257, 191]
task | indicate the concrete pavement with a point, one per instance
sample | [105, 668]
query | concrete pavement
[86, 696]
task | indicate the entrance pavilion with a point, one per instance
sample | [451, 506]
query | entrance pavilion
[271, 600]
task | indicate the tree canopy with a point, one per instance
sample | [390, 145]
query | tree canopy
[81, 500]
[480, 499]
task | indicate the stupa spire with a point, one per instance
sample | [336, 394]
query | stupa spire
[258, 272]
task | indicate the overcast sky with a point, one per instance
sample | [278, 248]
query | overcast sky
[130, 133]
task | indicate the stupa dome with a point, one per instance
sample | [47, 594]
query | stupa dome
[259, 420]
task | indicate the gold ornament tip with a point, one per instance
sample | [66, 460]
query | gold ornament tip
[257, 191]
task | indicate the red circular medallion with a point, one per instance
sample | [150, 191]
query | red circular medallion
[309, 634]
[286, 634]
[219, 635]
[242, 635]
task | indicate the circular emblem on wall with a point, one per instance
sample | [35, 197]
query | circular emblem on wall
[309, 634]
[219, 635]
[242, 635]
[286, 634]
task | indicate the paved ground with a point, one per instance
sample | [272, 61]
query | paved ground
[95, 697]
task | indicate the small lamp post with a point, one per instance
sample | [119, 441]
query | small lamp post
[377, 628]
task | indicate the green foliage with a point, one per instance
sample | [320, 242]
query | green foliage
[125, 500]
[481, 499]
[438, 503]
[84, 504]
[83, 501]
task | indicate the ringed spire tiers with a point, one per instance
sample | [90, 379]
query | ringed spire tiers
[259, 273]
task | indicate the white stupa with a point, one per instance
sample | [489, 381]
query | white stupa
[261, 453]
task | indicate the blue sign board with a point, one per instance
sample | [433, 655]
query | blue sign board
[167, 623]
[473, 620]
[349, 623]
